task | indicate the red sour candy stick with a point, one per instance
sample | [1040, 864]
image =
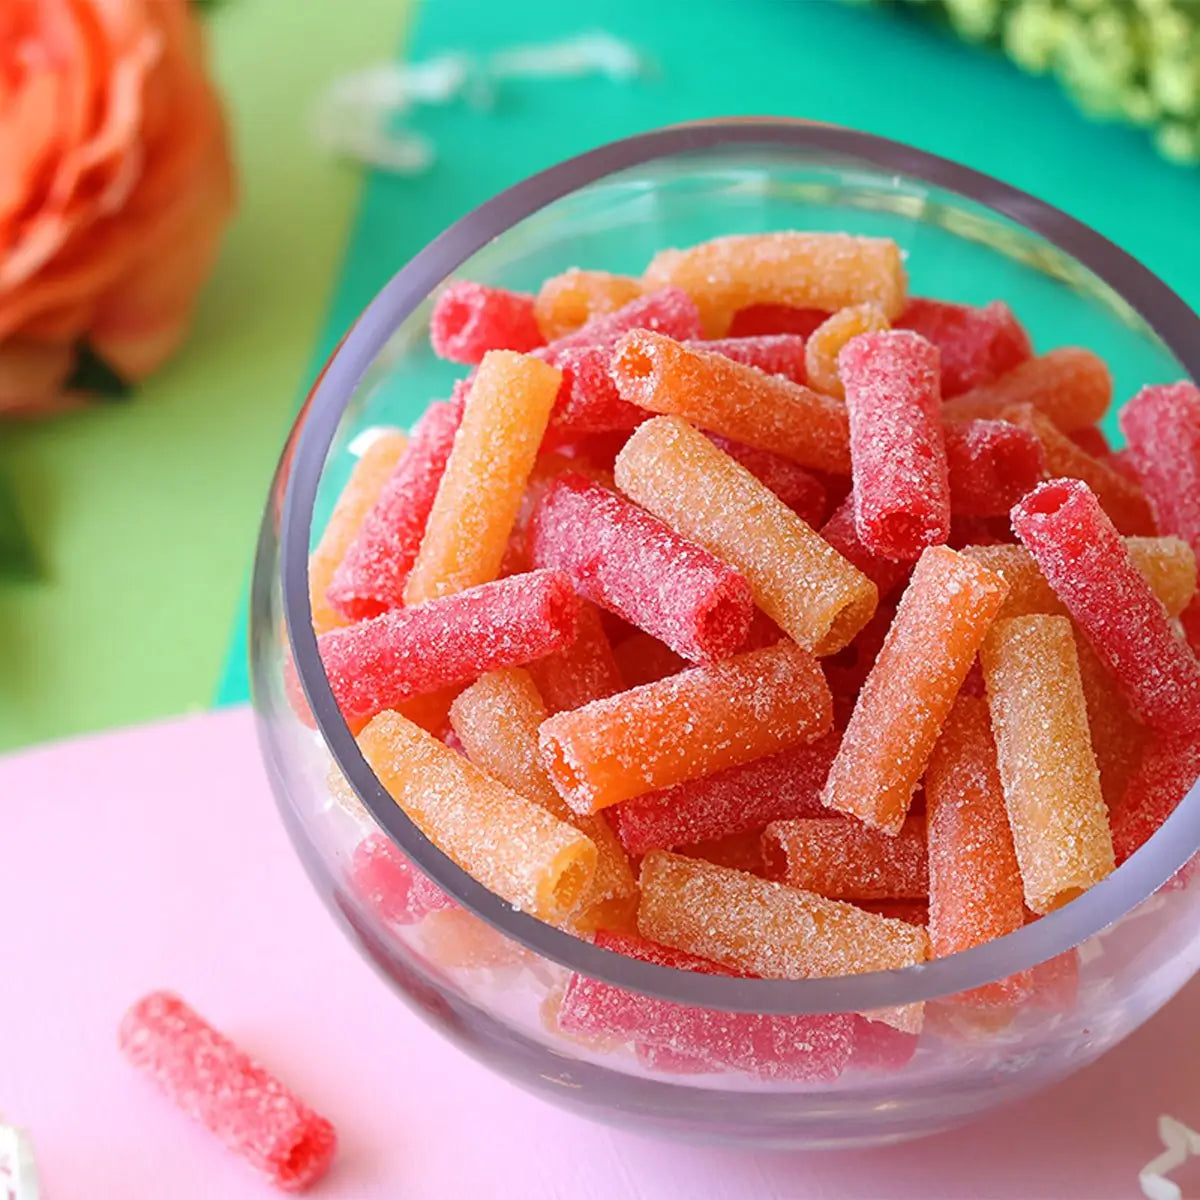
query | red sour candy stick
[469, 319]
[901, 486]
[584, 671]
[378, 664]
[777, 354]
[799, 489]
[618, 556]
[1168, 770]
[643, 659]
[372, 575]
[879, 1047]
[1086, 562]
[389, 884]
[841, 533]
[669, 311]
[758, 320]
[992, 464]
[740, 798]
[977, 345]
[633, 945]
[214, 1082]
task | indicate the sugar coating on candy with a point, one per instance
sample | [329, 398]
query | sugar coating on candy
[761, 927]
[845, 860]
[732, 801]
[1122, 499]
[991, 465]
[730, 398]
[757, 320]
[480, 492]
[1169, 769]
[643, 659]
[624, 559]
[204, 1074]
[825, 344]
[511, 845]
[584, 670]
[1056, 810]
[912, 912]
[1071, 386]
[633, 945]
[940, 624]
[901, 485]
[567, 301]
[1087, 564]
[741, 851]
[382, 878]
[977, 344]
[380, 663]
[358, 498]
[1190, 621]
[588, 399]
[686, 726]
[802, 270]
[887, 574]
[469, 319]
[668, 311]
[776, 354]
[375, 567]
[815, 595]
[799, 489]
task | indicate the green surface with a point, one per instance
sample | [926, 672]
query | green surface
[144, 513]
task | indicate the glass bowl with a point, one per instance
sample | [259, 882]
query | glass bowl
[490, 978]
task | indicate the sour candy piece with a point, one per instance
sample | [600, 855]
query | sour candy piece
[511, 845]
[825, 344]
[797, 578]
[940, 624]
[799, 489]
[1092, 439]
[729, 802]
[1168, 770]
[887, 574]
[1070, 386]
[802, 270]
[776, 354]
[1121, 499]
[358, 498]
[567, 301]
[469, 319]
[668, 311]
[686, 726]
[756, 320]
[588, 401]
[582, 671]
[726, 397]
[480, 492]
[844, 860]
[1085, 561]
[901, 485]
[977, 345]
[975, 891]
[203, 1073]
[879, 1047]
[408, 652]
[643, 659]
[371, 576]
[741, 851]
[385, 880]
[1051, 785]
[619, 556]
[991, 464]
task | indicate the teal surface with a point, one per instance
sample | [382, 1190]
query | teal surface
[883, 72]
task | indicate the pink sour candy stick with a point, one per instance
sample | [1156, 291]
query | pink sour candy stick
[758, 320]
[879, 1047]
[669, 311]
[901, 485]
[372, 575]
[1086, 562]
[203, 1073]
[1168, 770]
[380, 663]
[992, 464]
[977, 345]
[469, 319]
[799, 489]
[389, 884]
[618, 556]
[841, 533]
[584, 671]
[777, 354]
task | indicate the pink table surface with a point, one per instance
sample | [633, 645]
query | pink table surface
[153, 857]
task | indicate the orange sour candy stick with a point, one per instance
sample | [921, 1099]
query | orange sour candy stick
[567, 301]
[825, 344]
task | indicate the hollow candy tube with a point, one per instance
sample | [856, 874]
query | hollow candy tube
[511, 845]
[408, 652]
[203, 1073]
[729, 802]
[760, 927]
[1043, 747]
[685, 726]
[776, 354]
[977, 345]
[469, 319]
[726, 397]
[825, 344]
[975, 891]
[584, 670]
[1167, 563]
[844, 860]
[757, 320]
[567, 301]
[901, 483]
[818, 598]
[799, 489]
[371, 576]
[643, 659]
[618, 556]
[358, 498]
[1071, 386]
[991, 465]
[887, 574]
[497, 720]
[1085, 561]
[940, 624]
[802, 270]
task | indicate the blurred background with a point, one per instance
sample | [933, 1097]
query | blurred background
[137, 436]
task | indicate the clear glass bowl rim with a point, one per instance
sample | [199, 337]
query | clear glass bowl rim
[311, 437]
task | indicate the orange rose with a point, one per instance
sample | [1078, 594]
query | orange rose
[115, 183]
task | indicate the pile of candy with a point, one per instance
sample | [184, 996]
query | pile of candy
[753, 618]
